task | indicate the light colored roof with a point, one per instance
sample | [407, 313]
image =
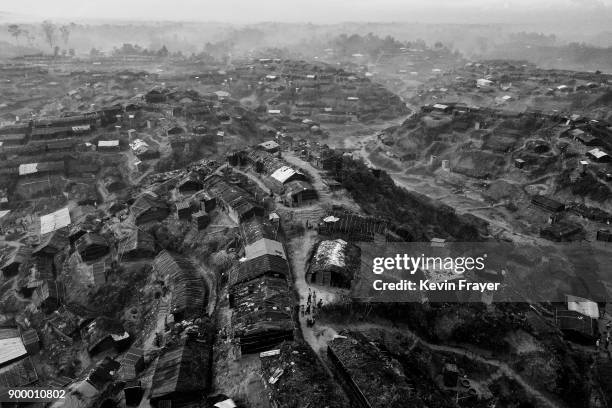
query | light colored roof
[138, 144]
[270, 144]
[264, 246]
[29, 168]
[583, 306]
[332, 253]
[440, 106]
[4, 213]
[228, 403]
[283, 174]
[598, 154]
[331, 218]
[576, 132]
[11, 346]
[108, 143]
[54, 221]
[274, 111]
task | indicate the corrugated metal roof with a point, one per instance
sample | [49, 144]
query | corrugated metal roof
[284, 173]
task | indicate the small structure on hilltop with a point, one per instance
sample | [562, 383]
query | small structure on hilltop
[547, 203]
[269, 146]
[562, 231]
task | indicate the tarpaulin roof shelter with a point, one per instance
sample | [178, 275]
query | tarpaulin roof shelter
[54, 221]
[583, 306]
[11, 345]
[264, 246]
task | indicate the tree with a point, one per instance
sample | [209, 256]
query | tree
[49, 30]
[163, 51]
[15, 31]
[65, 33]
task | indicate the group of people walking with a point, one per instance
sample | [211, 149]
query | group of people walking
[310, 309]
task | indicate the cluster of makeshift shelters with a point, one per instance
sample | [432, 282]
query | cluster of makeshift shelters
[235, 201]
[292, 184]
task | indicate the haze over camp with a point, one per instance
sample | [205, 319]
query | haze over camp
[299, 204]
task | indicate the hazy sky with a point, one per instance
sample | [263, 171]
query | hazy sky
[317, 11]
